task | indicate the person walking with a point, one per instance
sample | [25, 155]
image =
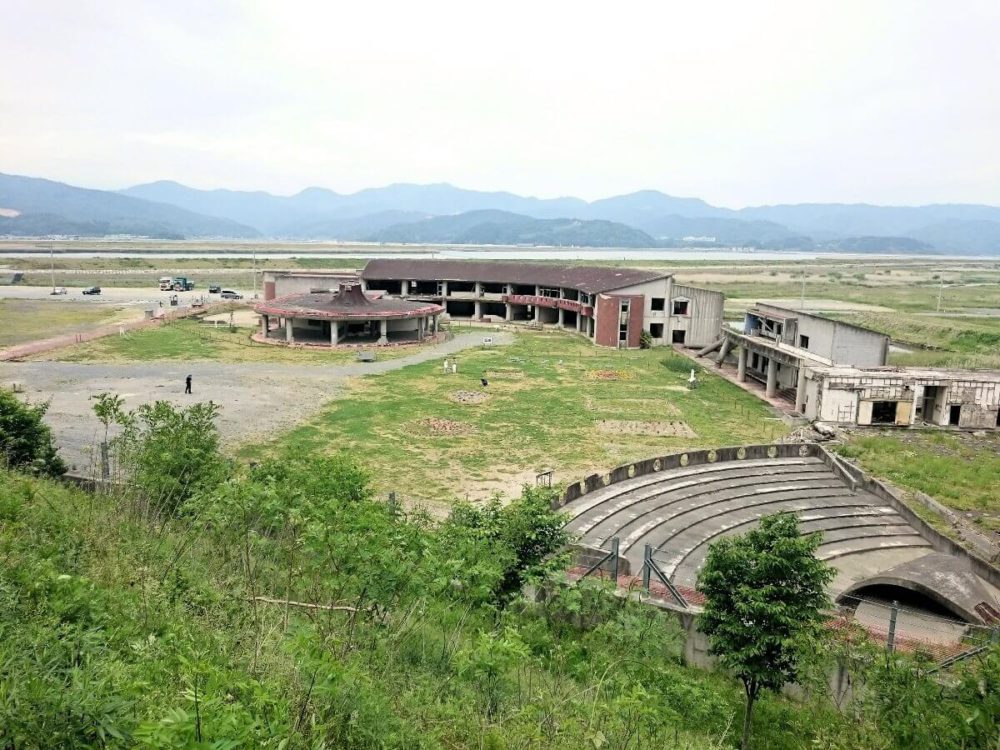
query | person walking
[187, 384]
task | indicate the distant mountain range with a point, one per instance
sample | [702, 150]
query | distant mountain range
[443, 213]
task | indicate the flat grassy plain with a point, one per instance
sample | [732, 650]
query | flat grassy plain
[193, 340]
[960, 470]
[28, 320]
[554, 401]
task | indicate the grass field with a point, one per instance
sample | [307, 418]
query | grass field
[28, 320]
[553, 401]
[193, 340]
[959, 470]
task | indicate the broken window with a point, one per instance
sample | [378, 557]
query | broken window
[955, 414]
[656, 330]
[680, 307]
[803, 342]
[677, 337]
[656, 304]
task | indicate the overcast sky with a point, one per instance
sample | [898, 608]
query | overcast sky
[740, 103]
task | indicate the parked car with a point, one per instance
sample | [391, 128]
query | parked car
[214, 288]
[92, 290]
[230, 294]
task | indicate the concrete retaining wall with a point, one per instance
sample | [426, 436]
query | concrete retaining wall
[939, 542]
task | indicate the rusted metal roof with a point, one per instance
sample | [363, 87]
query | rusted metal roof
[348, 302]
[588, 279]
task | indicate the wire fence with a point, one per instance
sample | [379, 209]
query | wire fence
[931, 633]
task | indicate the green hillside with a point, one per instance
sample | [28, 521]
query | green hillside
[124, 628]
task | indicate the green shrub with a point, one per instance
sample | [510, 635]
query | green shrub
[25, 441]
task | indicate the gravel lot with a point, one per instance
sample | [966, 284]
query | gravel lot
[256, 400]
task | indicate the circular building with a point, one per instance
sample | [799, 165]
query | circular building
[346, 315]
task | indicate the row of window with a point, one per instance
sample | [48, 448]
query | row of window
[679, 306]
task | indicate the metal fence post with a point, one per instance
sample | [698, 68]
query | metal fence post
[646, 555]
[890, 643]
[105, 467]
[614, 560]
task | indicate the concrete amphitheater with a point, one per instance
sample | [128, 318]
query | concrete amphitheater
[679, 504]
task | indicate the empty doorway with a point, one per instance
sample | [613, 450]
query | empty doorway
[884, 412]
[955, 414]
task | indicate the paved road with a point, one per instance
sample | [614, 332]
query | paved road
[256, 399]
[140, 296]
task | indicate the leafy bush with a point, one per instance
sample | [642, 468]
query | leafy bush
[26, 441]
[168, 453]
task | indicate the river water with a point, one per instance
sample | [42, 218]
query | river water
[514, 253]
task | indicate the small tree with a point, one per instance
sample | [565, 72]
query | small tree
[169, 453]
[765, 591]
[25, 440]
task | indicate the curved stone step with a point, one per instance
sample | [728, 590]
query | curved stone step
[836, 550]
[659, 496]
[675, 547]
[680, 514]
[686, 477]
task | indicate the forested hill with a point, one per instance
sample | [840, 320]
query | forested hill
[502, 228]
[36, 207]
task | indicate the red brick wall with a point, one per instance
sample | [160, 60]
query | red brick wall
[636, 314]
[606, 321]
[606, 330]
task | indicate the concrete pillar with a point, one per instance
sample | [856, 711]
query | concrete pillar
[561, 317]
[420, 329]
[334, 333]
[479, 308]
[668, 308]
[579, 322]
[772, 378]
[405, 288]
[289, 336]
[434, 325]
[741, 365]
[479, 289]
[444, 288]
[538, 314]
[726, 346]
[263, 326]
[800, 391]
[383, 327]
[509, 313]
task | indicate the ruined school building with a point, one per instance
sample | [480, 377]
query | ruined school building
[611, 306]
[836, 372]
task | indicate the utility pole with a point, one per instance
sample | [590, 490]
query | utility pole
[802, 301]
[52, 267]
[940, 293]
[255, 272]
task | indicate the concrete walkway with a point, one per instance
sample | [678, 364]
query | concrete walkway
[256, 400]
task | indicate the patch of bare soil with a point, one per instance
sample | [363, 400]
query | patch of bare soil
[615, 406]
[505, 373]
[656, 429]
[470, 397]
[436, 426]
[610, 375]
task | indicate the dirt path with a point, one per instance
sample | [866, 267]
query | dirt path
[256, 399]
